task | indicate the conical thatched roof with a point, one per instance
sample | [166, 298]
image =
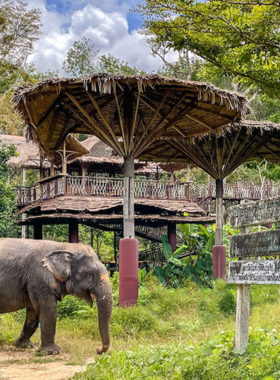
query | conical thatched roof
[128, 113]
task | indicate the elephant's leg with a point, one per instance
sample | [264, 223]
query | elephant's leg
[47, 317]
[29, 328]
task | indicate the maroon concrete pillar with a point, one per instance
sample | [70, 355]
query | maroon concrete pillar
[171, 235]
[38, 231]
[73, 231]
[219, 261]
[128, 271]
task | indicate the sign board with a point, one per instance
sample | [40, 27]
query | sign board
[258, 272]
[265, 243]
[255, 213]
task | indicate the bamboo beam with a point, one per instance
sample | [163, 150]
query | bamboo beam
[150, 137]
[199, 121]
[120, 119]
[149, 124]
[106, 123]
[240, 149]
[191, 156]
[231, 150]
[92, 127]
[134, 121]
[103, 133]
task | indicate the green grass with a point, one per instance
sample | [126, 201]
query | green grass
[171, 333]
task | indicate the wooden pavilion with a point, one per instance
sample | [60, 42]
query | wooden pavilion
[135, 116]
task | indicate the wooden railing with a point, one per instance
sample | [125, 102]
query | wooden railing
[99, 186]
[238, 190]
[113, 187]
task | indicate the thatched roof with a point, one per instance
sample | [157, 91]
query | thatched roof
[29, 153]
[129, 113]
[94, 205]
[219, 154]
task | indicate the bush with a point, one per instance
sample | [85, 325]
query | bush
[70, 306]
[215, 359]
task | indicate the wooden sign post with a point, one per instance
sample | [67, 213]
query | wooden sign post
[247, 246]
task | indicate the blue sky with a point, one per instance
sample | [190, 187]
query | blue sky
[110, 24]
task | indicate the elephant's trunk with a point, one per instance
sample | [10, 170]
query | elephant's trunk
[104, 305]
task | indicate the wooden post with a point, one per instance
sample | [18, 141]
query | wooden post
[115, 247]
[188, 173]
[91, 236]
[23, 228]
[64, 167]
[242, 317]
[171, 234]
[73, 231]
[242, 309]
[52, 169]
[128, 198]
[38, 231]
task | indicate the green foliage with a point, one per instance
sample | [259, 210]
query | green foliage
[19, 30]
[112, 65]
[214, 359]
[7, 196]
[198, 242]
[81, 61]
[238, 38]
[226, 297]
[80, 58]
[70, 306]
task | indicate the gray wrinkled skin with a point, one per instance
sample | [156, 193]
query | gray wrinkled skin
[35, 274]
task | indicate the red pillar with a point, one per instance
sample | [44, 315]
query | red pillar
[38, 231]
[73, 231]
[171, 235]
[219, 261]
[128, 272]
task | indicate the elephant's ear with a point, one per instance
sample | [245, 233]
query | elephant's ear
[59, 263]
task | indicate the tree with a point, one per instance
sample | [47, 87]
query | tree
[7, 196]
[82, 61]
[112, 65]
[80, 58]
[240, 37]
[19, 30]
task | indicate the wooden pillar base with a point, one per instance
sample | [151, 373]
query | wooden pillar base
[219, 261]
[73, 232]
[171, 235]
[128, 269]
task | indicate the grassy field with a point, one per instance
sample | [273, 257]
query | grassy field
[185, 333]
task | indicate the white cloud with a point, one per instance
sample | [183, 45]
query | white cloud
[103, 21]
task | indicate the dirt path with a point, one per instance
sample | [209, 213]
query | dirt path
[25, 365]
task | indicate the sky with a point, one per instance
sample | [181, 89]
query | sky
[110, 24]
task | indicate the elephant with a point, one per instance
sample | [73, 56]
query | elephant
[35, 274]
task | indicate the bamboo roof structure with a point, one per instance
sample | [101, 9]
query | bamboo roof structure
[219, 154]
[128, 113]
